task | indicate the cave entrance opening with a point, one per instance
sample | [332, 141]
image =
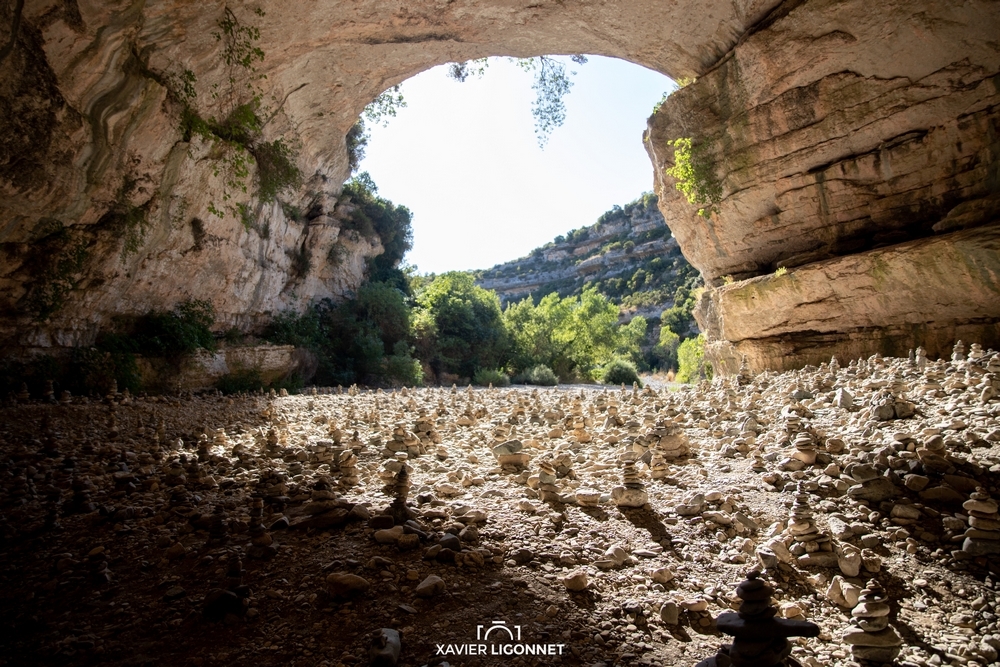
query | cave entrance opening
[485, 182]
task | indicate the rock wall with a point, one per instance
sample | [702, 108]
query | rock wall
[597, 255]
[833, 130]
[96, 143]
[843, 129]
[203, 369]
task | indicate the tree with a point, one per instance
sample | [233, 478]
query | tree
[459, 326]
[574, 336]
[665, 350]
[691, 356]
[376, 216]
[551, 85]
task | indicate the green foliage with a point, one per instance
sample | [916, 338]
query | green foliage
[540, 375]
[385, 106]
[402, 369]
[93, 369]
[87, 370]
[164, 333]
[573, 335]
[33, 372]
[691, 357]
[240, 50]
[60, 260]
[236, 131]
[301, 261]
[356, 140]
[459, 326]
[361, 340]
[620, 371]
[485, 377]
[665, 350]
[780, 271]
[374, 216]
[551, 85]
[276, 168]
[246, 216]
[695, 175]
[241, 380]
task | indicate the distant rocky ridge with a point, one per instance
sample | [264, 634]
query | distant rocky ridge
[628, 254]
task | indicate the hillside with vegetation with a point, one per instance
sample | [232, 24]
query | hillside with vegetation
[627, 256]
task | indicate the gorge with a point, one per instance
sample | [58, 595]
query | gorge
[845, 146]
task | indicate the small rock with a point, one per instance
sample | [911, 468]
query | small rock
[430, 587]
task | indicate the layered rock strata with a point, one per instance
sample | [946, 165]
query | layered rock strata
[830, 132]
[94, 96]
[858, 150]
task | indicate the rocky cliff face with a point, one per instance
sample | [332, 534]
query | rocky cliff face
[629, 255]
[843, 129]
[837, 136]
[106, 198]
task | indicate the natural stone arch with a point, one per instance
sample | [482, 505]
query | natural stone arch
[773, 77]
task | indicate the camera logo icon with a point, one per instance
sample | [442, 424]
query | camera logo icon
[483, 632]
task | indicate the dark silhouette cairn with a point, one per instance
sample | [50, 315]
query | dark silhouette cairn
[759, 639]
[400, 490]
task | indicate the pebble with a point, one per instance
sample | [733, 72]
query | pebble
[432, 586]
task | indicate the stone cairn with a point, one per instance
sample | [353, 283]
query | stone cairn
[398, 510]
[870, 637]
[548, 492]
[632, 493]
[348, 468]
[802, 527]
[983, 536]
[743, 376]
[805, 448]
[658, 468]
[672, 443]
[424, 429]
[262, 546]
[759, 639]
[958, 352]
[404, 441]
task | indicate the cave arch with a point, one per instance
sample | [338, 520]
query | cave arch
[844, 141]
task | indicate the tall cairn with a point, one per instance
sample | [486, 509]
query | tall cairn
[759, 639]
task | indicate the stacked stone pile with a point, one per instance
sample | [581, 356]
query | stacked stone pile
[983, 536]
[632, 492]
[871, 638]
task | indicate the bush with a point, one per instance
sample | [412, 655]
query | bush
[95, 370]
[485, 377]
[539, 375]
[666, 350]
[691, 357]
[241, 380]
[165, 334]
[620, 371]
[459, 326]
[401, 368]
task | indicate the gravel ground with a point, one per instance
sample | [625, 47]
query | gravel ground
[130, 535]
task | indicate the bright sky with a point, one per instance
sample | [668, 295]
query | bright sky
[464, 159]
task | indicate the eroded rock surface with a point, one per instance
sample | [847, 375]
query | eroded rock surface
[843, 129]
[833, 131]
[95, 136]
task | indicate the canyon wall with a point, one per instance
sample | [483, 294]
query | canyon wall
[106, 198]
[851, 147]
[844, 130]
